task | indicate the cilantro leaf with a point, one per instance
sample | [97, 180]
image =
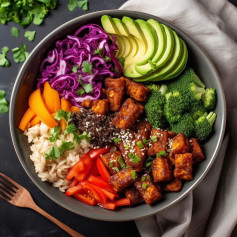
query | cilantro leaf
[87, 67]
[3, 102]
[78, 138]
[80, 91]
[107, 58]
[20, 54]
[66, 146]
[72, 5]
[62, 114]
[98, 51]
[3, 60]
[14, 32]
[87, 87]
[71, 128]
[75, 68]
[83, 4]
[30, 35]
[54, 134]
[53, 153]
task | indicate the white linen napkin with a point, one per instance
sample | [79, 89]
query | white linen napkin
[211, 209]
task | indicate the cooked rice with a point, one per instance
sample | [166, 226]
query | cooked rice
[53, 171]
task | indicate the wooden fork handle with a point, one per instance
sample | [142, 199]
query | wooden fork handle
[57, 222]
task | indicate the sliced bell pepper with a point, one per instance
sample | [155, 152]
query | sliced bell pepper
[85, 198]
[75, 189]
[34, 121]
[108, 205]
[93, 153]
[99, 182]
[74, 182]
[108, 194]
[75, 170]
[122, 202]
[29, 114]
[104, 173]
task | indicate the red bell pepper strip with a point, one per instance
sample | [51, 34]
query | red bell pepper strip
[75, 189]
[93, 153]
[74, 182]
[108, 194]
[99, 182]
[104, 173]
[108, 205]
[79, 166]
[122, 202]
[85, 198]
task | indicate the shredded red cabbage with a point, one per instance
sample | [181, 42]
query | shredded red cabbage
[74, 50]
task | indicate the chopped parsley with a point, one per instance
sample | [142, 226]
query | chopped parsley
[20, 54]
[161, 153]
[3, 102]
[54, 134]
[73, 4]
[154, 138]
[62, 114]
[66, 146]
[140, 145]
[71, 128]
[87, 67]
[87, 87]
[116, 140]
[75, 68]
[144, 185]
[30, 35]
[121, 162]
[14, 32]
[133, 173]
[3, 60]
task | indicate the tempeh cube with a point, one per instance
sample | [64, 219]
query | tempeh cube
[100, 106]
[161, 169]
[159, 140]
[180, 144]
[134, 196]
[128, 114]
[115, 91]
[136, 90]
[196, 150]
[183, 166]
[147, 190]
[123, 179]
[173, 185]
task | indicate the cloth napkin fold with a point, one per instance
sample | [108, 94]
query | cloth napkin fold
[211, 209]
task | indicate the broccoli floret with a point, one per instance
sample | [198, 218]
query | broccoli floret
[189, 85]
[154, 108]
[175, 106]
[154, 87]
[185, 125]
[163, 89]
[197, 110]
[203, 126]
[209, 99]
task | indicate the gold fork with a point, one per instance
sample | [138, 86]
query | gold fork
[17, 195]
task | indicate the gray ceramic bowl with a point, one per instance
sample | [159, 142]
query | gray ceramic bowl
[26, 82]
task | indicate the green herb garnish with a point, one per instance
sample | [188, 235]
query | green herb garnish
[87, 87]
[116, 140]
[66, 146]
[107, 58]
[161, 153]
[71, 128]
[144, 185]
[79, 138]
[54, 134]
[134, 158]
[87, 67]
[116, 168]
[126, 146]
[133, 173]
[53, 153]
[143, 178]
[75, 68]
[3, 102]
[98, 51]
[121, 162]
[140, 145]
[80, 91]
[14, 32]
[83, 4]
[121, 61]
[20, 54]
[111, 164]
[30, 35]
[3, 60]
[62, 114]
[154, 138]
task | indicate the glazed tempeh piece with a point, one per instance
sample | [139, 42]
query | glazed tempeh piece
[147, 190]
[180, 144]
[100, 106]
[174, 185]
[134, 196]
[128, 114]
[111, 160]
[136, 90]
[123, 179]
[115, 92]
[196, 150]
[183, 166]
[144, 126]
[161, 141]
[161, 169]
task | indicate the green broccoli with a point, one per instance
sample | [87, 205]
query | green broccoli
[154, 108]
[209, 99]
[197, 110]
[185, 125]
[189, 85]
[203, 126]
[154, 87]
[175, 106]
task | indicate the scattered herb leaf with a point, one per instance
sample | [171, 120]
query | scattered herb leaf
[143, 178]
[111, 164]
[66, 146]
[20, 54]
[133, 173]
[72, 5]
[154, 138]
[30, 35]
[134, 158]
[116, 168]
[121, 61]
[3, 102]
[54, 134]
[107, 58]
[126, 146]
[161, 153]
[98, 51]
[75, 68]
[3, 60]
[121, 162]
[140, 145]
[87, 67]
[14, 32]
[80, 91]
[83, 4]
[71, 128]
[87, 87]
[53, 153]
[116, 140]
[144, 185]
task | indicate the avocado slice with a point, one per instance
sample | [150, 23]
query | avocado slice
[179, 67]
[170, 64]
[161, 39]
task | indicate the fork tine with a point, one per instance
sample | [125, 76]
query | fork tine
[3, 193]
[6, 185]
[10, 181]
[6, 190]
[4, 198]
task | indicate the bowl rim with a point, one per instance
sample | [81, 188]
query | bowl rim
[86, 17]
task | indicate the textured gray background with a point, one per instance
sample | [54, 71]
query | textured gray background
[22, 222]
